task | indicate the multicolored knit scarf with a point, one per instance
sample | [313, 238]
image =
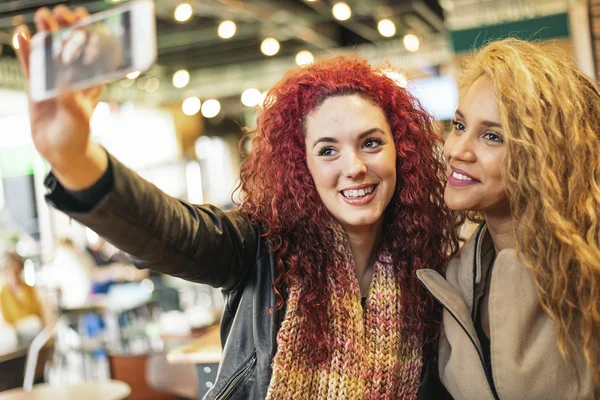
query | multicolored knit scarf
[370, 357]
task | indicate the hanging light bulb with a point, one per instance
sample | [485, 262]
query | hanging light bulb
[181, 78]
[341, 11]
[269, 47]
[211, 108]
[183, 12]
[304, 58]
[227, 29]
[386, 28]
[191, 106]
[411, 42]
[251, 97]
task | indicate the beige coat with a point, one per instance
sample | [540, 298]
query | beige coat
[526, 363]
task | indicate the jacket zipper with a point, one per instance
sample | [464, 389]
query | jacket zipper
[239, 376]
[485, 370]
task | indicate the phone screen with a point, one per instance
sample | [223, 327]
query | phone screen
[75, 55]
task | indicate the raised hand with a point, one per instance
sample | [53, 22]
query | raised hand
[60, 126]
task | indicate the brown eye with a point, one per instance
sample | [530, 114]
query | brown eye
[459, 126]
[493, 137]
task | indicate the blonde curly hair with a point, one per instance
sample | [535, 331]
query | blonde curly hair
[550, 113]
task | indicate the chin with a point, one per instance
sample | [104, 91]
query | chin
[458, 204]
[357, 221]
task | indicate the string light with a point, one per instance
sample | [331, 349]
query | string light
[341, 11]
[191, 106]
[411, 42]
[269, 47]
[251, 97]
[386, 28]
[183, 12]
[211, 108]
[181, 78]
[304, 58]
[227, 29]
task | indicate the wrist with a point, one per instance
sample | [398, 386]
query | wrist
[82, 171]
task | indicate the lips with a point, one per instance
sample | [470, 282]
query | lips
[458, 177]
[358, 191]
[359, 195]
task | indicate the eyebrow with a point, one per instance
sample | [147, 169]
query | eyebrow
[489, 124]
[333, 140]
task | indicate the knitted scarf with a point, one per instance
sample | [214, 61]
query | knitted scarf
[369, 358]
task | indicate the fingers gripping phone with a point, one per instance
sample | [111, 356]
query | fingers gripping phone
[103, 48]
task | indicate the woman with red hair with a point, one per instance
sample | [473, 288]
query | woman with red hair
[342, 201]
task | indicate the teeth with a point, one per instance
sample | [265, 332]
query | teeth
[358, 193]
[461, 176]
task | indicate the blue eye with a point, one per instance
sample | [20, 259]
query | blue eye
[372, 143]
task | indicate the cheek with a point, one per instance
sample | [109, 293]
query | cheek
[322, 175]
[389, 166]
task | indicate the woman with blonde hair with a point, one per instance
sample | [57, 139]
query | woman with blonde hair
[522, 300]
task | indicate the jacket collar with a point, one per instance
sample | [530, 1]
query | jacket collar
[480, 253]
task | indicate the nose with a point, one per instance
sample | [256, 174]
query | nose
[459, 147]
[354, 166]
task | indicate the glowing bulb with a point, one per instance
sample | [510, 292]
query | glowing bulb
[15, 42]
[191, 106]
[386, 27]
[251, 97]
[181, 78]
[341, 11]
[211, 108]
[183, 12]
[227, 29]
[304, 58]
[411, 42]
[133, 75]
[269, 47]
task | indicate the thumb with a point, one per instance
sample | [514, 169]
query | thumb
[23, 39]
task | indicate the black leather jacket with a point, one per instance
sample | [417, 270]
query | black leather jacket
[201, 244]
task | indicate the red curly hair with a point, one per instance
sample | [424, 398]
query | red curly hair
[280, 197]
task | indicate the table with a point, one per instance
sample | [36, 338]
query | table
[105, 390]
[205, 353]
[202, 350]
[12, 367]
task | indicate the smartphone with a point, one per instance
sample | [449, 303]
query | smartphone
[103, 48]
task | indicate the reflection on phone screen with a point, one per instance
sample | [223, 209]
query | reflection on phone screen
[75, 55]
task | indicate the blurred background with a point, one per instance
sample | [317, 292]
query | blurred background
[179, 126]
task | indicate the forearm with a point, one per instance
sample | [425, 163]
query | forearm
[201, 244]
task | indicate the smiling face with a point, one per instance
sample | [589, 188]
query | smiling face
[351, 156]
[475, 151]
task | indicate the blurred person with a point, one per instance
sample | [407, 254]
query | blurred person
[342, 201]
[70, 272]
[521, 302]
[19, 302]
